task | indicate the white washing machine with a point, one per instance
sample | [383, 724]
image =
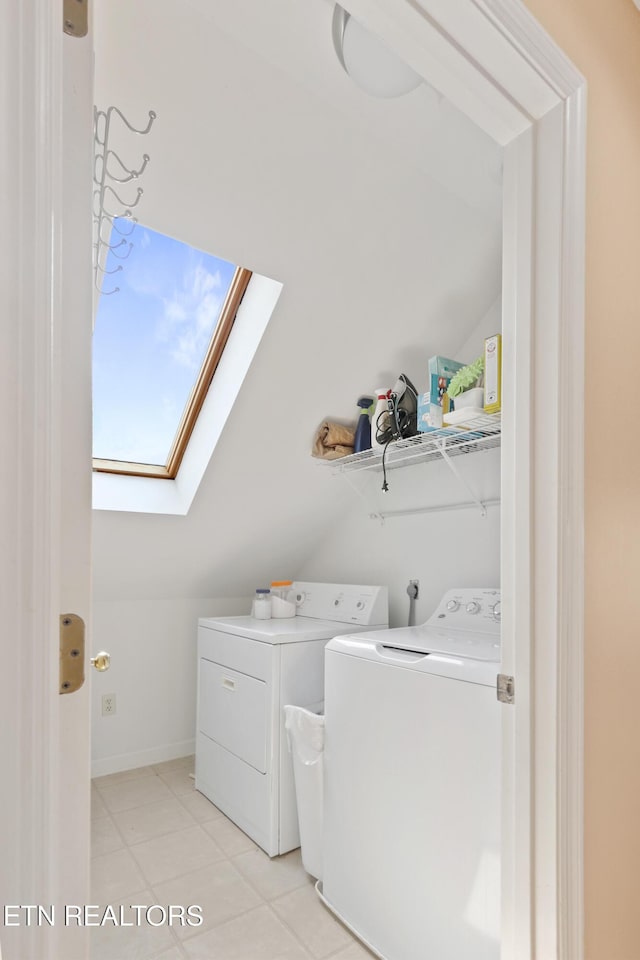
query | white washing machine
[412, 783]
[248, 670]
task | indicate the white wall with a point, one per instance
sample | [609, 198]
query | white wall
[382, 266]
[386, 256]
[441, 549]
[489, 324]
[153, 674]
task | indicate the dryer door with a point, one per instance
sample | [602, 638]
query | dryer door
[233, 712]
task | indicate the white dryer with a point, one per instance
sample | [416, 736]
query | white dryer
[248, 669]
[412, 783]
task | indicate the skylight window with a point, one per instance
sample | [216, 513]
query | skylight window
[157, 343]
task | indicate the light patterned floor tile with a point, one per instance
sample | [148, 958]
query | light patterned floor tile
[153, 820]
[257, 935]
[355, 951]
[98, 808]
[123, 776]
[175, 953]
[134, 793]
[180, 763]
[199, 807]
[219, 889]
[315, 926]
[170, 834]
[175, 854]
[114, 876]
[104, 836]
[179, 781]
[273, 877]
[231, 838]
[141, 941]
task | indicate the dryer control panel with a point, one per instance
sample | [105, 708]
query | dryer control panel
[469, 609]
[344, 603]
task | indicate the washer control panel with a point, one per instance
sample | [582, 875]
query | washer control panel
[468, 609]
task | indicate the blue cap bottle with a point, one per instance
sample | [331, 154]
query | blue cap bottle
[363, 429]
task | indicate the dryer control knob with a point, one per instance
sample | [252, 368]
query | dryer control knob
[452, 606]
[473, 607]
[497, 611]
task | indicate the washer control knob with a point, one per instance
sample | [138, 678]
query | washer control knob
[452, 606]
[497, 611]
[473, 607]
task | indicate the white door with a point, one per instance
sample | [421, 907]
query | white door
[45, 475]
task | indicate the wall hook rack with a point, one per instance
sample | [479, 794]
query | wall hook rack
[110, 209]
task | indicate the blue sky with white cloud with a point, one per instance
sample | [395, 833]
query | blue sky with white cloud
[149, 342]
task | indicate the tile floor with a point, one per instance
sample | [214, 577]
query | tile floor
[156, 840]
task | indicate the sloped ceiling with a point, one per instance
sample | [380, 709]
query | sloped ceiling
[381, 219]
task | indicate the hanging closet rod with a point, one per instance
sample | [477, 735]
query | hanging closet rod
[464, 505]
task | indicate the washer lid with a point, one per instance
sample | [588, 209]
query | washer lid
[459, 644]
[416, 648]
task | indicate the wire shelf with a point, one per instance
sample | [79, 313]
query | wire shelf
[480, 433]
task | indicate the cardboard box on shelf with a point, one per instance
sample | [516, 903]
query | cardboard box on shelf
[493, 374]
[435, 402]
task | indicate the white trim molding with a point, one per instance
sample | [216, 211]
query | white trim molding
[570, 639]
[517, 544]
[142, 758]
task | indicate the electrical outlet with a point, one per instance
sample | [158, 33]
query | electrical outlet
[108, 704]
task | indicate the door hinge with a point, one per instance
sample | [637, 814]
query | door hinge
[506, 688]
[75, 17]
[71, 652]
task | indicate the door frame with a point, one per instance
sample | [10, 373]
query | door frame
[493, 60]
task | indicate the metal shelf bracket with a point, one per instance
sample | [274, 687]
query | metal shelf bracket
[454, 470]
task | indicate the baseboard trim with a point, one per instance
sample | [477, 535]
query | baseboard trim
[142, 758]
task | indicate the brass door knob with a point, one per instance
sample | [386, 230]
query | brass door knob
[102, 661]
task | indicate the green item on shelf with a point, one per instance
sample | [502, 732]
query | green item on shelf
[466, 378]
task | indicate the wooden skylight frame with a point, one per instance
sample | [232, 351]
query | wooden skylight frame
[196, 399]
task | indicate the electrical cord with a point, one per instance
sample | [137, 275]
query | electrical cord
[399, 421]
[380, 435]
[385, 436]
[385, 485]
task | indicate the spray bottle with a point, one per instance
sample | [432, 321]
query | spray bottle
[380, 418]
[363, 429]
